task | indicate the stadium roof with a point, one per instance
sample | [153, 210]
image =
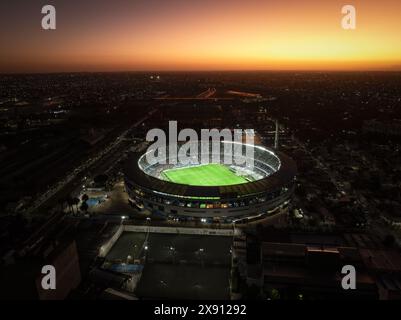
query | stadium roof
[272, 182]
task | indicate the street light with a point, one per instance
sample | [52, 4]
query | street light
[172, 250]
[201, 250]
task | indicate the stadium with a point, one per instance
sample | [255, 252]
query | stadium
[215, 191]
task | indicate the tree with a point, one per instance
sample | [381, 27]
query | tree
[275, 294]
[75, 201]
[84, 207]
[84, 197]
[61, 203]
[70, 204]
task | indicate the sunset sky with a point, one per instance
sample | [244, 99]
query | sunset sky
[97, 35]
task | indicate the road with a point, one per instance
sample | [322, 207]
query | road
[207, 94]
[84, 167]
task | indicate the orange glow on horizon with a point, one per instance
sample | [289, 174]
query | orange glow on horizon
[254, 36]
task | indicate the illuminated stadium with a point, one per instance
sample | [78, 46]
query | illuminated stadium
[214, 191]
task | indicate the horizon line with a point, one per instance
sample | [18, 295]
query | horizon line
[387, 70]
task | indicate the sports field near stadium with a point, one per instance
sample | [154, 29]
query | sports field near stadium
[213, 174]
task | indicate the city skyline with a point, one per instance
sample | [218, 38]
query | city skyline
[203, 36]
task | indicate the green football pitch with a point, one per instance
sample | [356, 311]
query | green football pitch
[213, 174]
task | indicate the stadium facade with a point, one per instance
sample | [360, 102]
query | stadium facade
[220, 192]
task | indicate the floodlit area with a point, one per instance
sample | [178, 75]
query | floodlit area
[213, 174]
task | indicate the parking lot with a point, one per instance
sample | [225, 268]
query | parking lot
[177, 265]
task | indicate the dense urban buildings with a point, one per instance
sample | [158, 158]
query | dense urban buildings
[78, 193]
[200, 150]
